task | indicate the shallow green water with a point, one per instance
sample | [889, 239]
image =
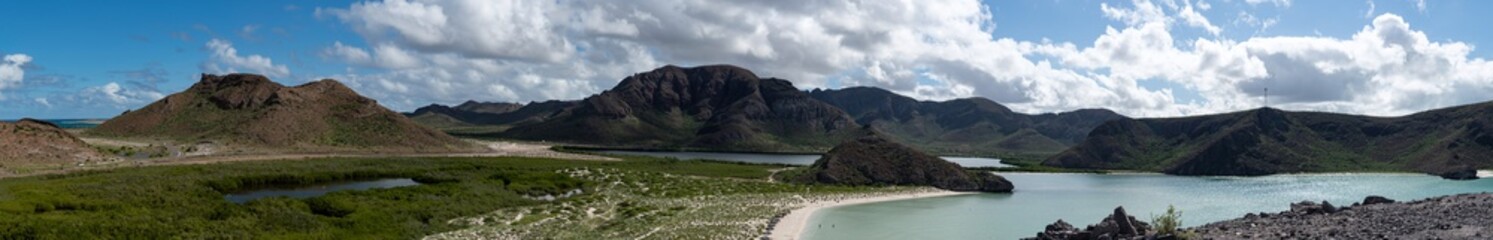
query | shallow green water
[1083, 199]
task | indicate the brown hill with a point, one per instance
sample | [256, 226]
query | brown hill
[30, 143]
[713, 107]
[1269, 141]
[874, 160]
[251, 111]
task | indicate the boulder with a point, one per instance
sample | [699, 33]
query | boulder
[1371, 200]
[1117, 225]
[1308, 207]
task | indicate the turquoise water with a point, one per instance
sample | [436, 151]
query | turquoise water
[69, 123]
[310, 191]
[794, 159]
[1083, 199]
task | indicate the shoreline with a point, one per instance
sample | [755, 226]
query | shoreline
[792, 225]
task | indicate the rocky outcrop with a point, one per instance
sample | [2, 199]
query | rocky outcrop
[1449, 217]
[32, 143]
[251, 112]
[1447, 142]
[874, 160]
[1117, 225]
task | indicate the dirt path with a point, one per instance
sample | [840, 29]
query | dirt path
[773, 177]
[494, 149]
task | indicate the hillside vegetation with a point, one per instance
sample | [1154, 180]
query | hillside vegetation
[1268, 141]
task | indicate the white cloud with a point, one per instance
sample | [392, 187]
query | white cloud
[11, 73]
[1261, 24]
[1278, 3]
[223, 58]
[42, 101]
[247, 32]
[1195, 19]
[520, 30]
[114, 94]
[436, 51]
[1370, 12]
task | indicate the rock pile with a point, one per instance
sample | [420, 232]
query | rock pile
[1449, 217]
[1115, 226]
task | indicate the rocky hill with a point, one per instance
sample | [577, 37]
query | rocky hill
[708, 107]
[874, 160]
[250, 111]
[477, 114]
[964, 126]
[30, 143]
[730, 108]
[1269, 141]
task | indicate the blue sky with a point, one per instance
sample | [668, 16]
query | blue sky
[94, 59]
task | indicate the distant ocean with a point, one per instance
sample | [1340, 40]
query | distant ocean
[70, 123]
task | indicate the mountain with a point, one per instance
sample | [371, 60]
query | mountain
[251, 111]
[874, 160]
[31, 143]
[1268, 141]
[968, 126]
[472, 116]
[729, 108]
[711, 107]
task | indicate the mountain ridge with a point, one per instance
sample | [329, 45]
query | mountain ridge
[688, 108]
[1269, 141]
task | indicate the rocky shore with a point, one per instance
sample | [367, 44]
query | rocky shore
[1465, 216]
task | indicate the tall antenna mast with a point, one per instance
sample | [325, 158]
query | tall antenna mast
[1267, 97]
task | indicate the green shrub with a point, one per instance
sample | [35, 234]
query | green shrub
[1170, 223]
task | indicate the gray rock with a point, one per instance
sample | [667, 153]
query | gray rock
[1376, 199]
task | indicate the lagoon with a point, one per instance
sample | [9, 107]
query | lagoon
[1083, 199]
[310, 191]
[791, 159]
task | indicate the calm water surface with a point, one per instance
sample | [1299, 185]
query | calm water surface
[1083, 199]
[319, 189]
[794, 159]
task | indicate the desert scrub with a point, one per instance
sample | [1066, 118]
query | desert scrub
[187, 201]
[1170, 223]
[635, 203]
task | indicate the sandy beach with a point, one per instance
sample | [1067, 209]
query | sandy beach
[791, 226]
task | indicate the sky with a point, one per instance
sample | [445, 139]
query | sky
[1141, 58]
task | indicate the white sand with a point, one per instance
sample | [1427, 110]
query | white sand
[793, 224]
[1484, 173]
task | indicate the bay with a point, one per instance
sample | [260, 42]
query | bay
[1084, 199]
